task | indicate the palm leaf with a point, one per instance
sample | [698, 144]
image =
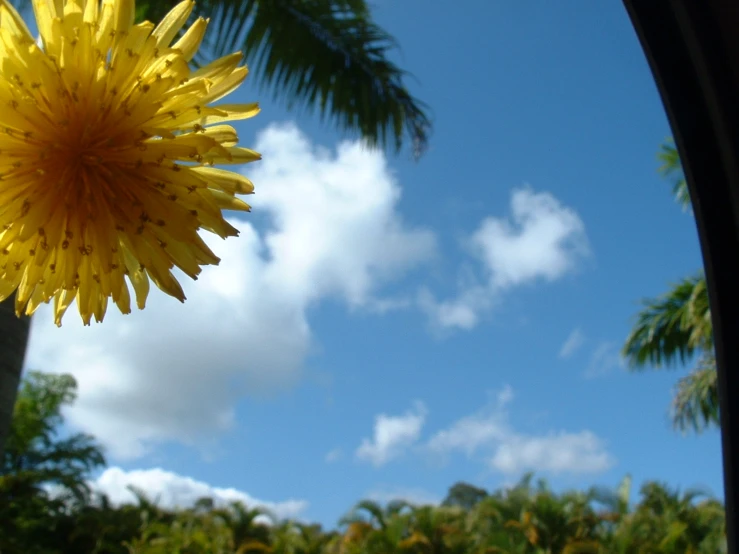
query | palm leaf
[675, 532]
[678, 325]
[417, 538]
[695, 405]
[671, 327]
[319, 54]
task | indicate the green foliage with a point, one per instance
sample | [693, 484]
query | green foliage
[324, 55]
[192, 532]
[464, 495]
[676, 327]
[672, 327]
[318, 54]
[525, 519]
[42, 473]
[695, 404]
[34, 453]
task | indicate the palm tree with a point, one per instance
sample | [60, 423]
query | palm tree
[673, 327]
[43, 475]
[190, 532]
[99, 527]
[676, 327]
[292, 537]
[486, 527]
[695, 404]
[436, 530]
[307, 539]
[35, 457]
[370, 528]
[564, 523]
[670, 522]
[248, 533]
[325, 54]
[320, 54]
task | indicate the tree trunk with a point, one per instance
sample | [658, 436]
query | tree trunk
[13, 341]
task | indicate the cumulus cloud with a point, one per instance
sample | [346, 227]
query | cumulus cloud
[542, 240]
[470, 433]
[170, 490]
[487, 435]
[461, 312]
[175, 372]
[393, 435]
[573, 343]
[563, 452]
[490, 433]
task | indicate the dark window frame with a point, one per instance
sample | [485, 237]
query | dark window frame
[692, 47]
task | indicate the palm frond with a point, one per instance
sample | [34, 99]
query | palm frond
[672, 327]
[319, 54]
[695, 405]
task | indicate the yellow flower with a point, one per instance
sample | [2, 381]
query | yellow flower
[107, 139]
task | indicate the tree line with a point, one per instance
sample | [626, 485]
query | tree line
[47, 506]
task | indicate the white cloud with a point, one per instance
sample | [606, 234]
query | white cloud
[468, 434]
[473, 432]
[175, 372]
[563, 452]
[605, 358]
[334, 455]
[392, 436]
[415, 496]
[573, 343]
[170, 490]
[462, 312]
[544, 241]
[337, 229]
[509, 451]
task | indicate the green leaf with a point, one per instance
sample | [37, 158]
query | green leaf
[672, 327]
[695, 405]
[324, 55]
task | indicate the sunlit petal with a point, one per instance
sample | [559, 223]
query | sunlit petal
[107, 142]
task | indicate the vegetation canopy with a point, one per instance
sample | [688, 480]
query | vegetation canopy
[47, 507]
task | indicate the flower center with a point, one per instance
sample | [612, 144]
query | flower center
[78, 145]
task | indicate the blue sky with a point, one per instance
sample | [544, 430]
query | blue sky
[385, 327]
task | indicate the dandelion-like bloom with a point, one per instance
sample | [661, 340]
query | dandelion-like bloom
[107, 142]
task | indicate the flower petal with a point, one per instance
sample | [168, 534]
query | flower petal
[173, 22]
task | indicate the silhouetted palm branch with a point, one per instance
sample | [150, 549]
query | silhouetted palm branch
[318, 54]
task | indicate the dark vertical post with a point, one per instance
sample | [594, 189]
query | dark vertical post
[14, 333]
[693, 50]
